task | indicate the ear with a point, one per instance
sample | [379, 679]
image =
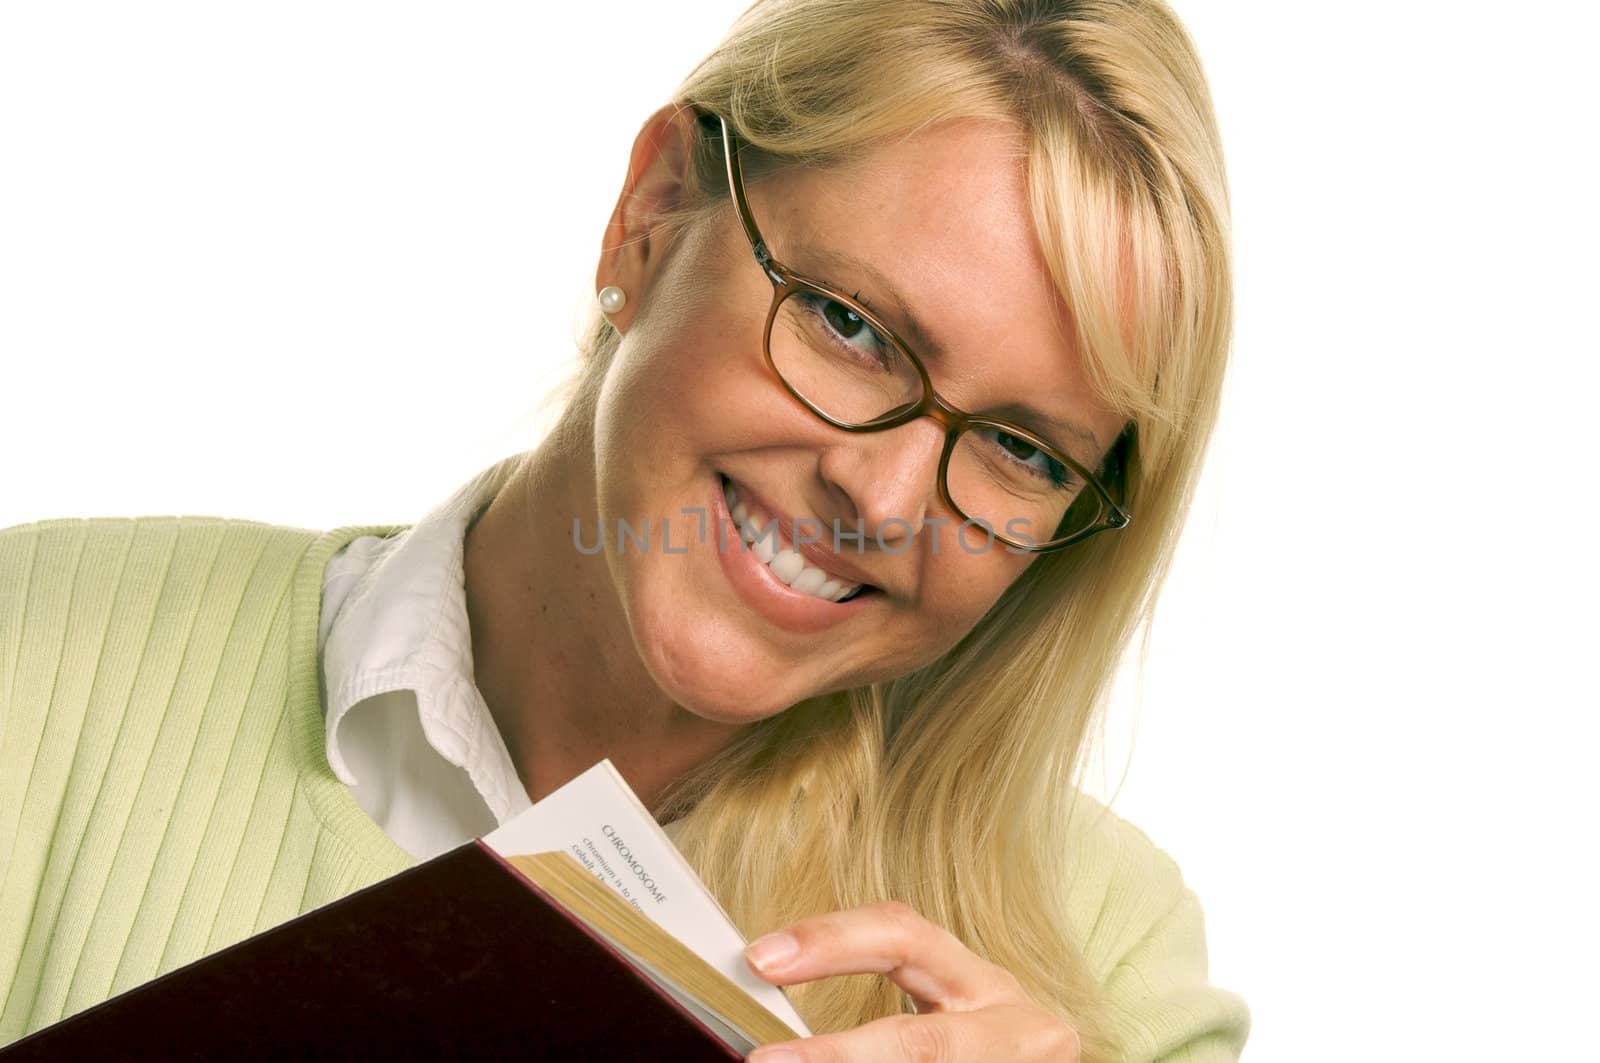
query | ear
[632, 249]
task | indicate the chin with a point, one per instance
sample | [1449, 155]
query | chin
[722, 697]
[716, 675]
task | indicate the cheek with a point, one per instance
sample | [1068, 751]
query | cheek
[696, 393]
[687, 343]
[959, 591]
[656, 393]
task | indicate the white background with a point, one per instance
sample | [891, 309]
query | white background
[315, 264]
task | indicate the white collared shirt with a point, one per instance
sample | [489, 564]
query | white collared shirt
[407, 730]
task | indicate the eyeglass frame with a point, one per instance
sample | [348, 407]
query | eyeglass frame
[787, 282]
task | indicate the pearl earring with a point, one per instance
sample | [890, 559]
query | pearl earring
[612, 299]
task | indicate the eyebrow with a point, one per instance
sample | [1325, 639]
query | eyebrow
[927, 348]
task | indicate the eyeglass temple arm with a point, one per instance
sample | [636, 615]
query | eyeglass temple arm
[758, 243]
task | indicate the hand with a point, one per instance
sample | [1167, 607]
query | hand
[968, 1009]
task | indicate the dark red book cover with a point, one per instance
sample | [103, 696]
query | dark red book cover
[460, 957]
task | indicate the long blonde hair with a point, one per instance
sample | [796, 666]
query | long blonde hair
[935, 788]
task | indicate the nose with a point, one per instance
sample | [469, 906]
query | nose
[887, 480]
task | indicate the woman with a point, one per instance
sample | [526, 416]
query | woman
[910, 325]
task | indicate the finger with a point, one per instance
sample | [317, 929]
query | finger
[888, 938]
[1009, 1033]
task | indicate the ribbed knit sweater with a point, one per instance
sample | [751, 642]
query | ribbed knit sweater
[165, 790]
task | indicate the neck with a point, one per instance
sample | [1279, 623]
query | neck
[552, 652]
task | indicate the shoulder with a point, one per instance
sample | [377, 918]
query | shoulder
[63, 554]
[1120, 883]
[72, 589]
[49, 550]
[1142, 932]
[19, 539]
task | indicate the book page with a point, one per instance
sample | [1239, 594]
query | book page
[598, 819]
[730, 1034]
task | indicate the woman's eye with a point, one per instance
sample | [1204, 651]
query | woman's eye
[848, 329]
[1037, 461]
[1019, 448]
[844, 320]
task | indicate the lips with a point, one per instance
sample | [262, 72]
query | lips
[807, 567]
[768, 594]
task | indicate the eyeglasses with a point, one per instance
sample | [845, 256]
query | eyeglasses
[840, 361]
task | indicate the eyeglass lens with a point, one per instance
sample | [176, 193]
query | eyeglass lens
[842, 367]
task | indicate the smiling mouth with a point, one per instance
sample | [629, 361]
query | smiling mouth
[763, 537]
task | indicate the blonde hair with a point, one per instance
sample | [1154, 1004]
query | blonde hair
[864, 795]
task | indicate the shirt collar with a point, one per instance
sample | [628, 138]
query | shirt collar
[404, 626]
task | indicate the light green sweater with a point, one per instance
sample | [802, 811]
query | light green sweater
[164, 789]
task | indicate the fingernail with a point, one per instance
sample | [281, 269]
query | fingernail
[773, 1055]
[771, 952]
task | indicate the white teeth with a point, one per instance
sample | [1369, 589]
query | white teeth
[810, 581]
[788, 565]
[763, 548]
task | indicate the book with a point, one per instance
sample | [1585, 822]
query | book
[574, 931]
[619, 865]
